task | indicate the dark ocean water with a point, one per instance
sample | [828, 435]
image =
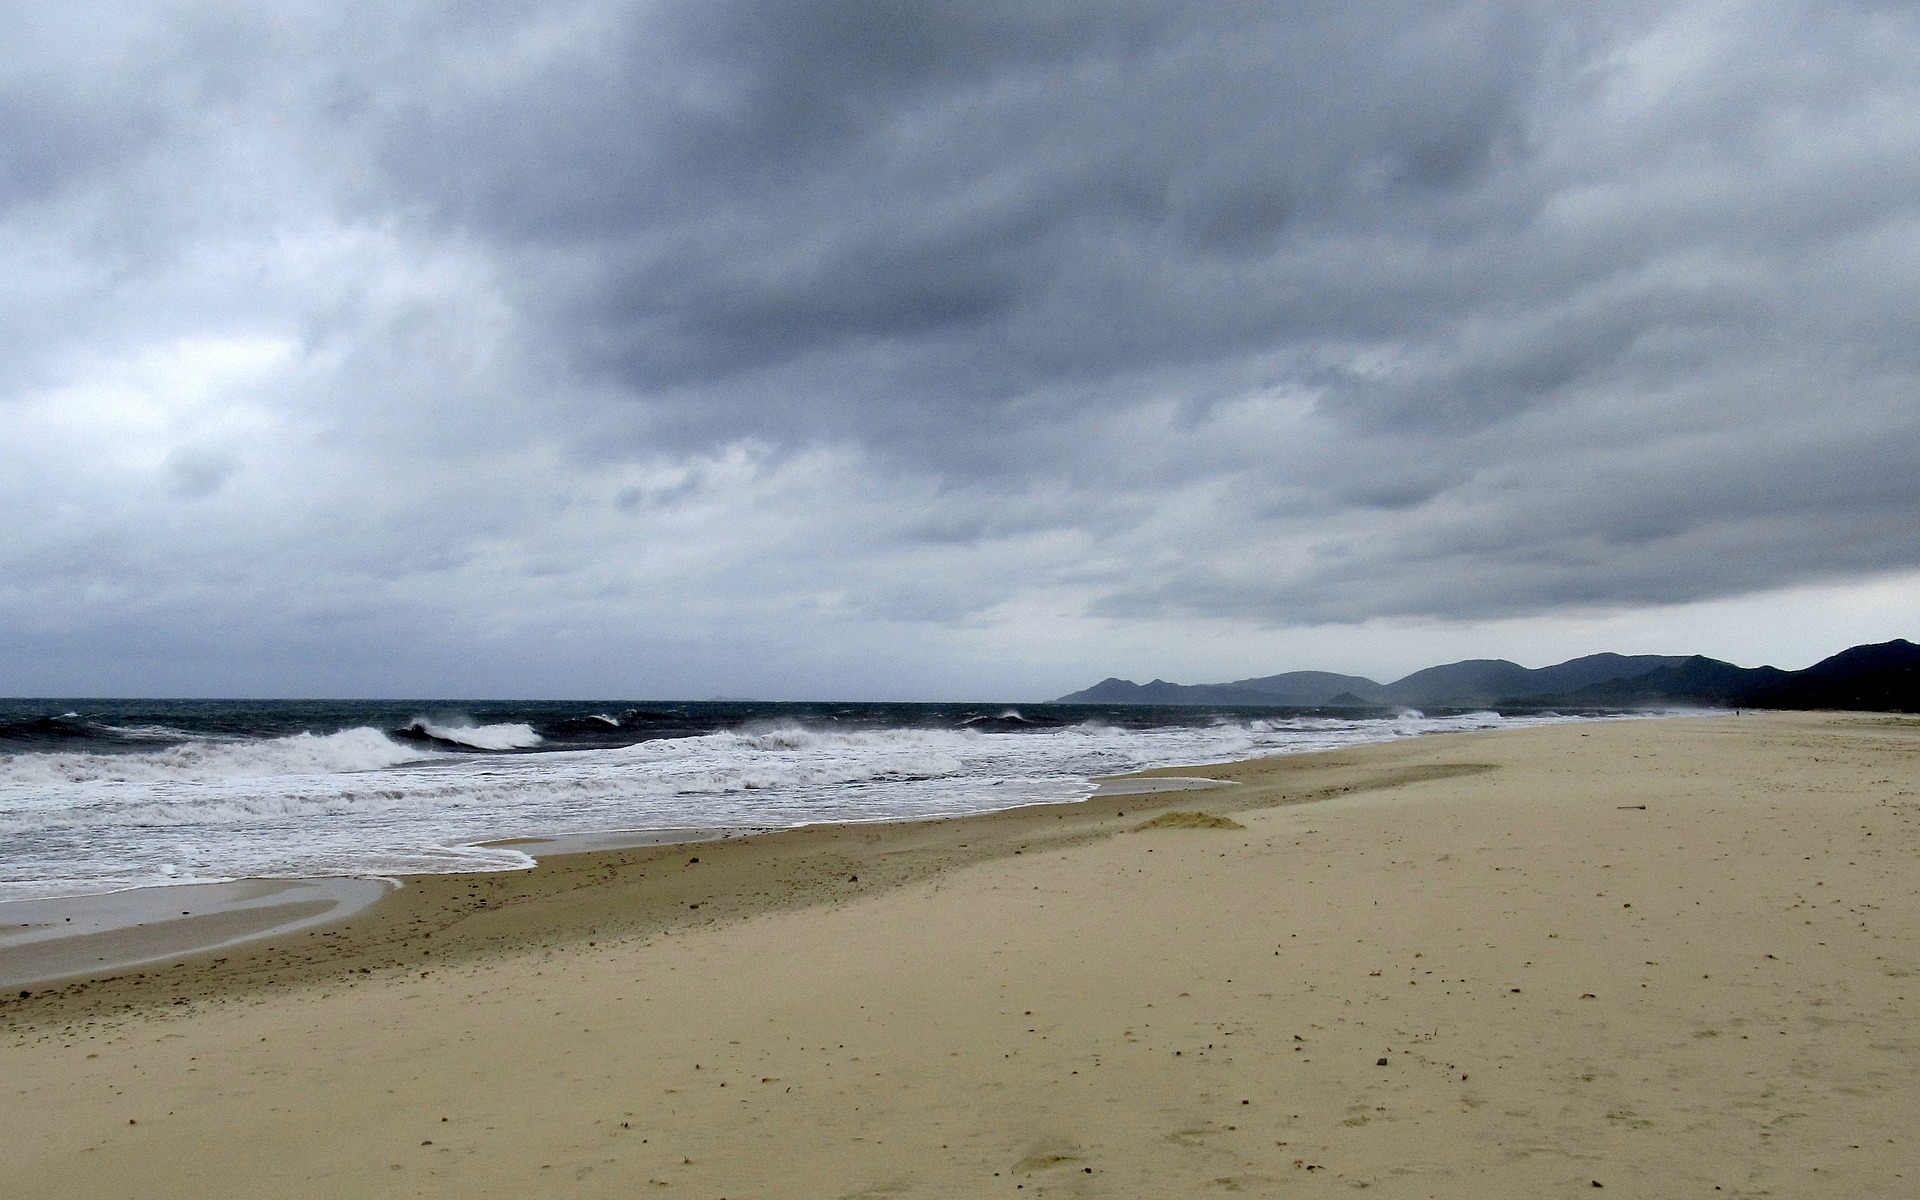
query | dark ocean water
[107, 726]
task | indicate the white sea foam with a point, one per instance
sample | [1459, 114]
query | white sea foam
[149, 733]
[301, 754]
[357, 802]
[482, 737]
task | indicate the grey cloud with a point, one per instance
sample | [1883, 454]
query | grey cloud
[197, 472]
[1737, 511]
[1071, 193]
[782, 316]
[48, 144]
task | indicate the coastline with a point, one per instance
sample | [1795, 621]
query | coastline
[87, 936]
[108, 935]
[590, 881]
[73, 939]
[1667, 956]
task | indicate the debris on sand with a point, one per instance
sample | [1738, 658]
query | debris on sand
[1188, 820]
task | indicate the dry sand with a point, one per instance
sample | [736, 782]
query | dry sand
[1669, 957]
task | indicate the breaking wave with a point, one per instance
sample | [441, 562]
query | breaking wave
[348, 751]
[515, 736]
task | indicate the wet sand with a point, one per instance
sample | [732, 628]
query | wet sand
[77, 936]
[1670, 957]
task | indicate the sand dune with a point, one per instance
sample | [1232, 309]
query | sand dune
[1665, 957]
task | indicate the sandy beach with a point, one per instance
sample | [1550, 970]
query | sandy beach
[1660, 957]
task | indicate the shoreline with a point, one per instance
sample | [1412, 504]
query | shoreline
[536, 795]
[1668, 958]
[86, 936]
[76, 939]
[563, 897]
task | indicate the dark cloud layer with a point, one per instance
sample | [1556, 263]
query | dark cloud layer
[978, 201]
[832, 313]
[916, 225]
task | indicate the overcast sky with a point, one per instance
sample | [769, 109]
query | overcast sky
[972, 350]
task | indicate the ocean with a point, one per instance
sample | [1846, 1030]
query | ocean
[103, 795]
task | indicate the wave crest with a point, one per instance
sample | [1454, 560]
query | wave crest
[517, 736]
[350, 750]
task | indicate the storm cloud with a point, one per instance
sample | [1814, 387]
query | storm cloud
[896, 348]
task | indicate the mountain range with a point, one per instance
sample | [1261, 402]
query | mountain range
[1881, 677]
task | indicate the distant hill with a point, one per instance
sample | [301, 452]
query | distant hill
[1883, 677]
[1879, 678]
[1697, 680]
[1594, 668]
[1496, 681]
[1310, 688]
[1476, 681]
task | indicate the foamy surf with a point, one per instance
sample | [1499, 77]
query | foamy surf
[348, 751]
[515, 736]
[358, 802]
